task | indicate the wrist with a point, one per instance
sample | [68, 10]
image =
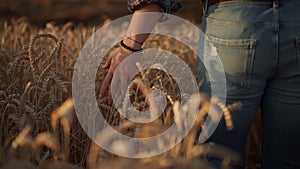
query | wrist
[132, 42]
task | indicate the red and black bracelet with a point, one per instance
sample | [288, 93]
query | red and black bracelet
[129, 48]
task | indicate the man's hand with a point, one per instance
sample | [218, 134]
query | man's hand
[114, 59]
[120, 72]
[139, 29]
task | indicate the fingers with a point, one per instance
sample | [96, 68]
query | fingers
[116, 78]
[107, 63]
[109, 100]
[124, 86]
[108, 77]
[105, 84]
[114, 90]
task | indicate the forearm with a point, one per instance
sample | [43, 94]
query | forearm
[141, 25]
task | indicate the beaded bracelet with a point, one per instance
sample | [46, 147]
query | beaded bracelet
[129, 48]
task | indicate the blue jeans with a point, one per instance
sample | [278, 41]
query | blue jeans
[258, 43]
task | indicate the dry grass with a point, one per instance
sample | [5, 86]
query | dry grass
[38, 127]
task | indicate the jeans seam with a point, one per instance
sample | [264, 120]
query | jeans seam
[297, 41]
[250, 60]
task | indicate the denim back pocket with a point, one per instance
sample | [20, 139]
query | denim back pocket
[236, 56]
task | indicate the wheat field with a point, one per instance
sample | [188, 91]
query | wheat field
[38, 125]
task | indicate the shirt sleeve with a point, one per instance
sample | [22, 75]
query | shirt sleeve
[167, 6]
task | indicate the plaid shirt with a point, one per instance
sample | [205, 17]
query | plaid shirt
[167, 6]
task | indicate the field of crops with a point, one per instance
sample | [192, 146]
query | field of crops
[38, 126]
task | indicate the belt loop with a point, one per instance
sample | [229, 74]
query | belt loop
[275, 3]
[276, 15]
[205, 7]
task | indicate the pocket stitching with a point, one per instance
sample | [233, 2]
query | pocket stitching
[232, 42]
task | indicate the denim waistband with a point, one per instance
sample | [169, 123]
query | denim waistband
[278, 11]
[249, 2]
[256, 2]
